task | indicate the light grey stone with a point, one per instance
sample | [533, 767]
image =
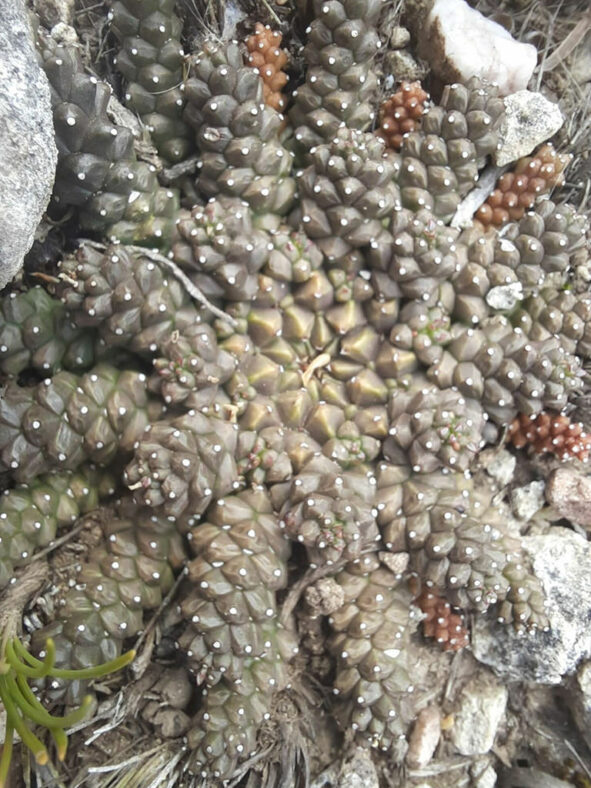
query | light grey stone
[399, 37]
[505, 297]
[399, 65]
[28, 155]
[483, 774]
[358, 771]
[527, 500]
[569, 493]
[562, 561]
[396, 562]
[477, 715]
[499, 464]
[529, 120]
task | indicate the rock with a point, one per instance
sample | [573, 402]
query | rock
[171, 723]
[580, 693]
[50, 12]
[396, 562]
[529, 120]
[399, 37]
[500, 464]
[399, 65]
[459, 43]
[482, 773]
[28, 154]
[569, 493]
[479, 711]
[424, 737]
[527, 500]
[562, 561]
[358, 771]
[505, 297]
[175, 688]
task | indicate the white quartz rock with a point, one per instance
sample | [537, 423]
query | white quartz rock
[459, 43]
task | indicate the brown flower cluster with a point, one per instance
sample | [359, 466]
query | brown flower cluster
[518, 190]
[266, 56]
[441, 623]
[401, 113]
[550, 432]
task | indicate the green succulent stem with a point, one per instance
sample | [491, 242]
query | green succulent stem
[6, 753]
[17, 665]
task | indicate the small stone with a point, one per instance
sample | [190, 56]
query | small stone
[569, 492]
[401, 65]
[562, 561]
[480, 709]
[171, 723]
[527, 500]
[505, 297]
[460, 43]
[529, 120]
[498, 464]
[396, 562]
[482, 773]
[175, 688]
[399, 37]
[424, 737]
[358, 771]
[51, 12]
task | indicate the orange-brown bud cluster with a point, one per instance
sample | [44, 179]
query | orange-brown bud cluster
[400, 113]
[517, 191]
[551, 432]
[265, 55]
[441, 622]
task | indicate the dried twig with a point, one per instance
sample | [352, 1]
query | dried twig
[573, 39]
[191, 288]
[139, 668]
[16, 596]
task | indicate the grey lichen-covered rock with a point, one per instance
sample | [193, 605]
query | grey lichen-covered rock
[527, 500]
[479, 711]
[28, 154]
[499, 464]
[529, 120]
[562, 562]
[358, 771]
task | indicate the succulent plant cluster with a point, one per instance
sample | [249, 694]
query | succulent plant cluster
[349, 355]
